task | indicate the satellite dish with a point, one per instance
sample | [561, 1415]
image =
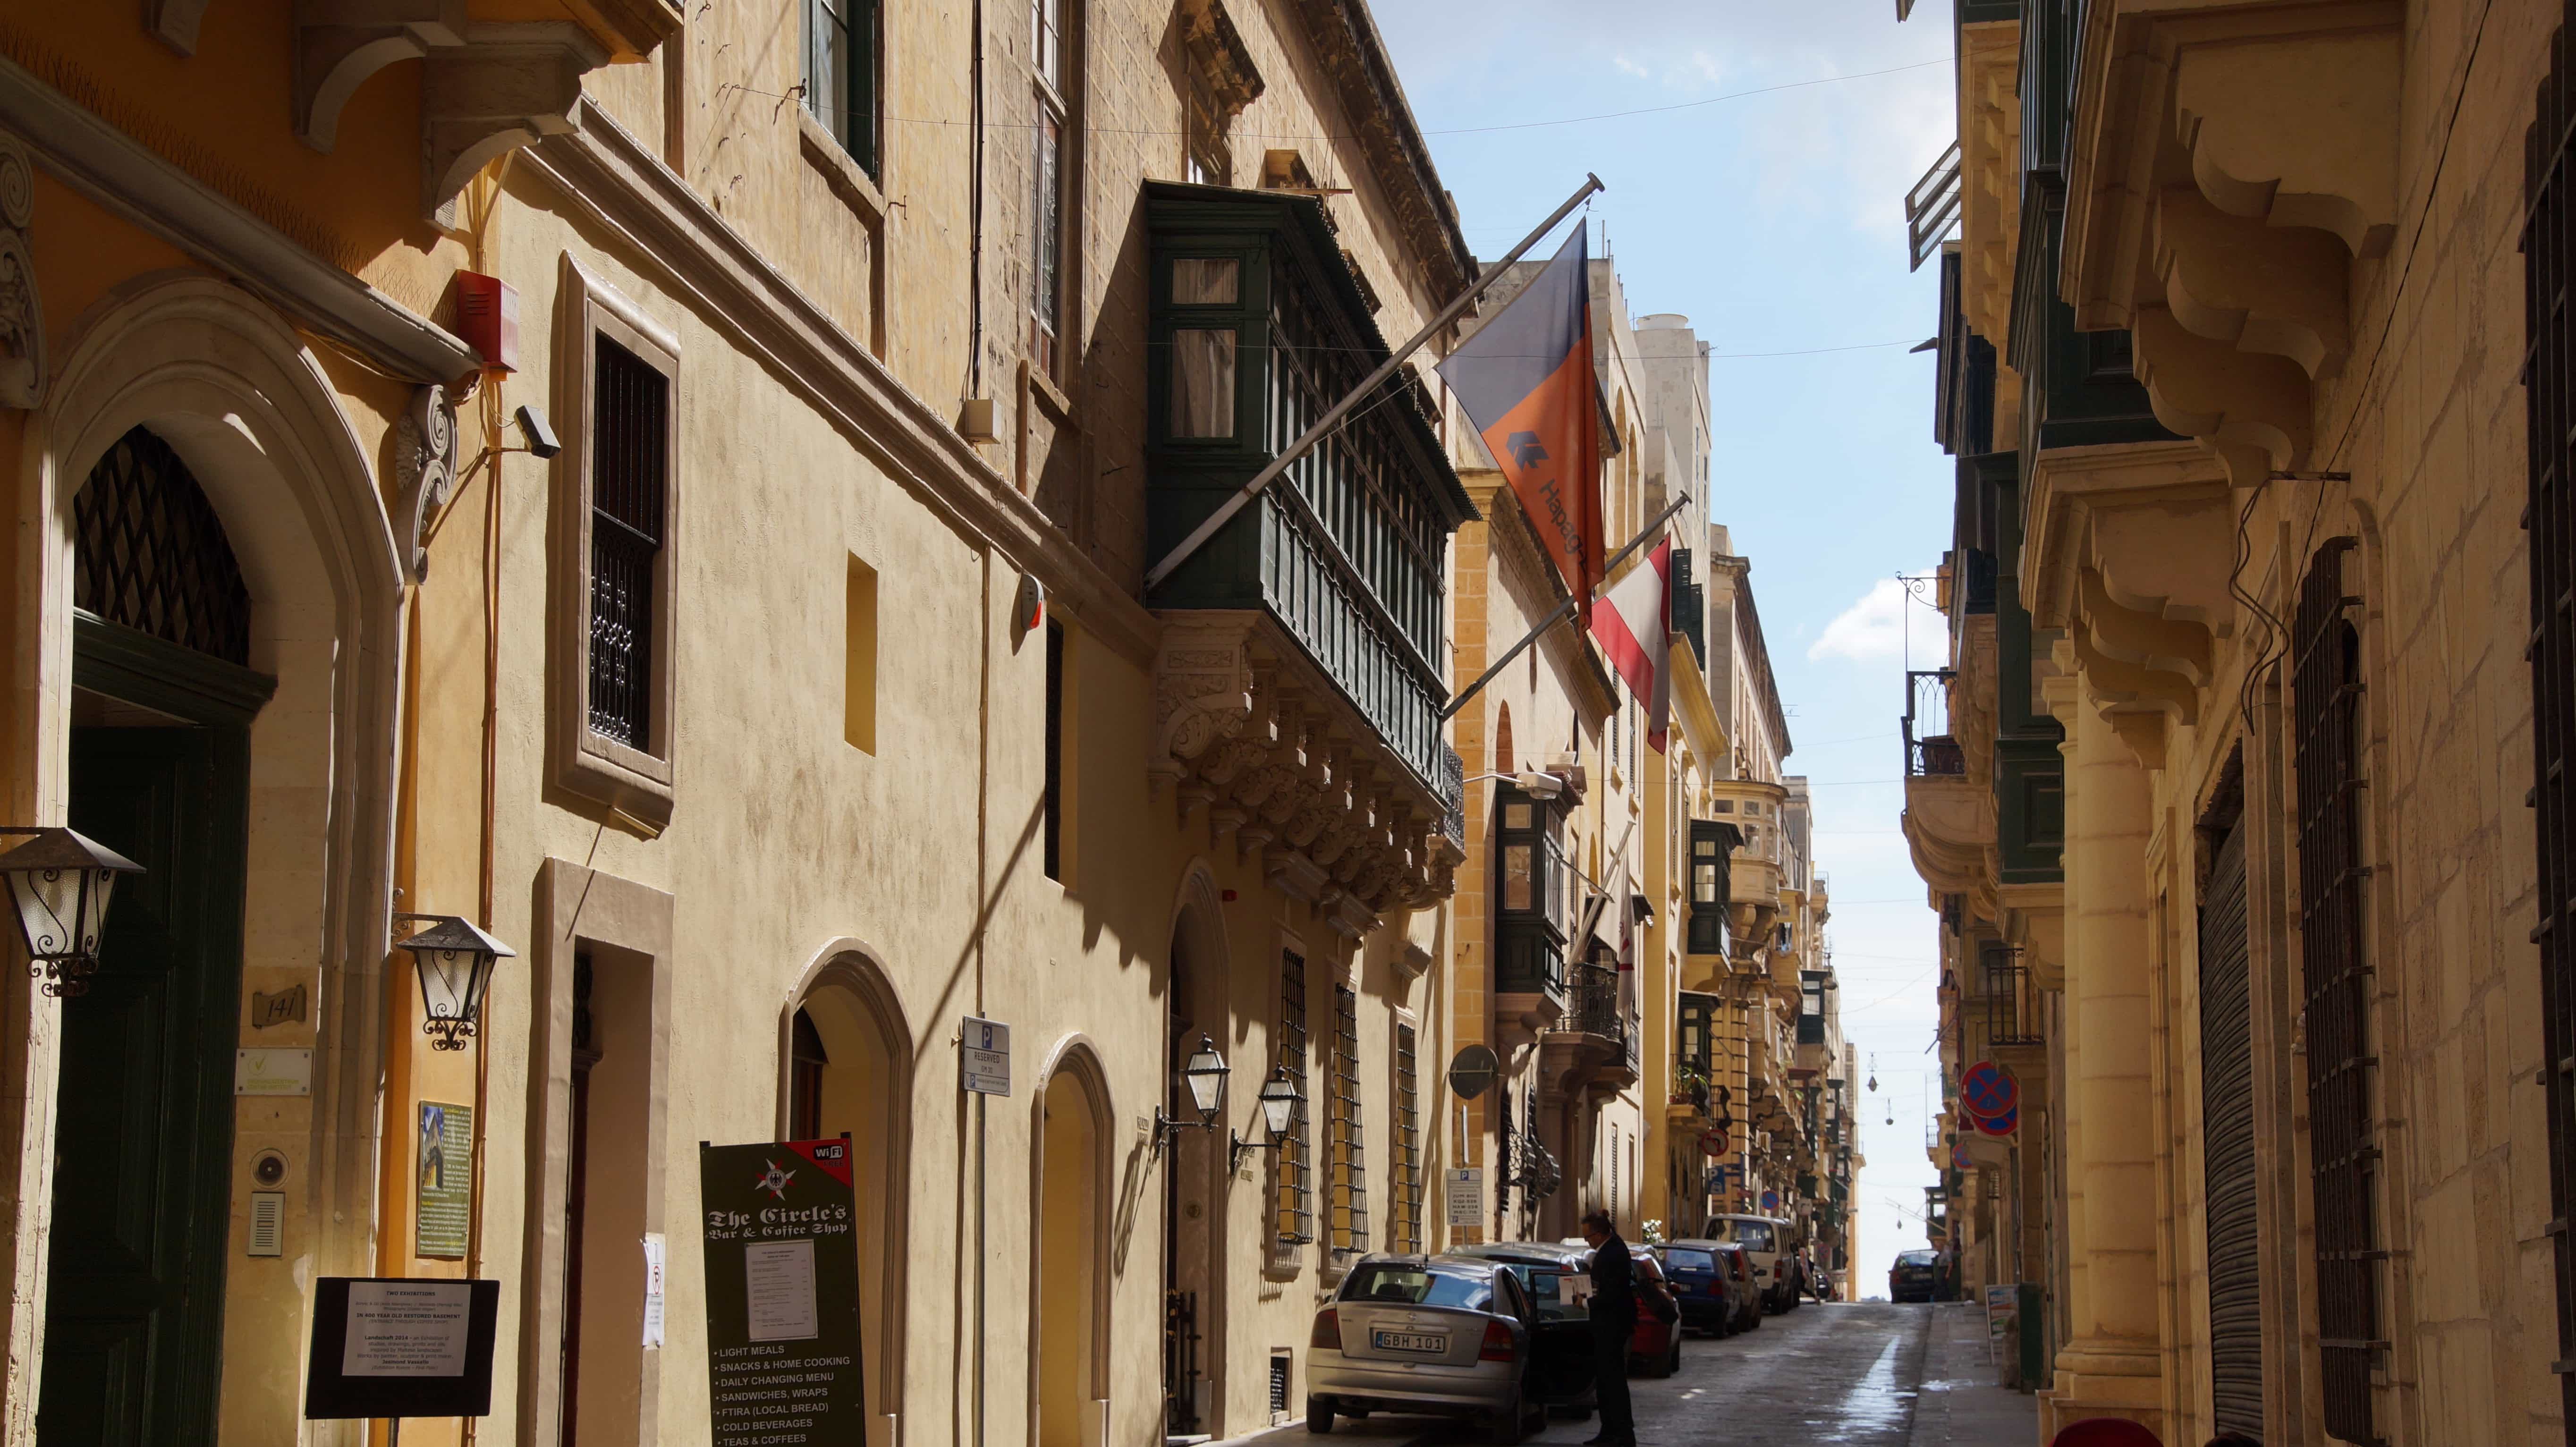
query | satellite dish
[1472, 1071]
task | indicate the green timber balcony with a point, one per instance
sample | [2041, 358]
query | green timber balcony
[1300, 685]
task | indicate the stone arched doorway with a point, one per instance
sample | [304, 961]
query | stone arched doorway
[848, 1070]
[1070, 1273]
[162, 705]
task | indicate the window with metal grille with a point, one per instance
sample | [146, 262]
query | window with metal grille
[1279, 1369]
[2549, 394]
[629, 481]
[1293, 1213]
[148, 552]
[841, 74]
[1350, 1138]
[1406, 1212]
[2326, 690]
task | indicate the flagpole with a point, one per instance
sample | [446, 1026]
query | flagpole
[1644, 535]
[1225, 512]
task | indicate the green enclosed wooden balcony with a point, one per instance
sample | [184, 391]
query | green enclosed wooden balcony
[1323, 600]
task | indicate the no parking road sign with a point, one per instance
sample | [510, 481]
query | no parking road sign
[1989, 1090]
[2000, 1124]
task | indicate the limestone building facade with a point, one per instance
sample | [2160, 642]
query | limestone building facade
[784, 688]
[2240, 794]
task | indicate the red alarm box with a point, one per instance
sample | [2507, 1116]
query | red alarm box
[487, 316]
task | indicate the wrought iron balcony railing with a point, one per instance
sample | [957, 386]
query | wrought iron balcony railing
[1930, 750]
[1592, 1008]
[1453, 796]
[2012, 999]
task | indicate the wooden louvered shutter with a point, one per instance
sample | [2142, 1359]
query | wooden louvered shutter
[2227, 1148]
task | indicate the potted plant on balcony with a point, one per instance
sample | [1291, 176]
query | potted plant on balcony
[1690, 1084]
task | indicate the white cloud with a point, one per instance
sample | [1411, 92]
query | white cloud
[1871, 630]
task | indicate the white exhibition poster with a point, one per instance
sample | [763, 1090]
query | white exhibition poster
[406, 1329]
[778, 1290]
[653, 1262]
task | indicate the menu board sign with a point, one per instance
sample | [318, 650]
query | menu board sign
[782, 1292]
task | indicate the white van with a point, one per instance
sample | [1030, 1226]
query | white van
[1765, 1240]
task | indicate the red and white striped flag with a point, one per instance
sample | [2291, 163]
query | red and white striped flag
[1633, 619]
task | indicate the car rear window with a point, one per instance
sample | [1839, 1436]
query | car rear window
[1751, 1235]
[1914, 1258]
[1409, 1285]
[1681, 1258]
[1548, 1292]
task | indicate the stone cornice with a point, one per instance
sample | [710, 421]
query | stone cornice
[109, 167]
[623, 188]
[1352, 51]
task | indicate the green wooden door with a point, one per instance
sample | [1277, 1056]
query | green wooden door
[144, 1125]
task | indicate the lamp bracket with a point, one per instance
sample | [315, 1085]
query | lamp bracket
[1238, 1145]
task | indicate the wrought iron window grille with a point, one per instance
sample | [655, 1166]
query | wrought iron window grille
[149, 552]
[2326, 689]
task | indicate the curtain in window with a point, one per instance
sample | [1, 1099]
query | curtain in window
[1202, 383]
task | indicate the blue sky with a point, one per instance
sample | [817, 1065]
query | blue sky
[1776, 223]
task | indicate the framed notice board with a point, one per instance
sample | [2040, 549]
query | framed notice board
[401, 1347]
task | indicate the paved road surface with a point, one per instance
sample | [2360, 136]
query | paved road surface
[1867, 1374]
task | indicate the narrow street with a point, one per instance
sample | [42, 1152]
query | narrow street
[1868, 1374]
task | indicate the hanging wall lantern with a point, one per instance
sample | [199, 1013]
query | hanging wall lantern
[454, 960]
[1278, 1114]
[59, 886]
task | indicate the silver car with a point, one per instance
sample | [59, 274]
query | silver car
[1446, 1336]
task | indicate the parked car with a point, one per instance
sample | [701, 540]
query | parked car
[1714, 1284]
[1558, 1282]
[1914, 1277]
[1440, 1336]
[1765, 1240]
[1656, 1349]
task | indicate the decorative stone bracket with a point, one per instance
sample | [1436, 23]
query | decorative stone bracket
[425, 464]
[1245, 730]
[486, 89]
[2236, 162]
[2130, 553]
[22, 315]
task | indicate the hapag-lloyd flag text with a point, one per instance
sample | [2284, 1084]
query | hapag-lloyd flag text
[1525, 380]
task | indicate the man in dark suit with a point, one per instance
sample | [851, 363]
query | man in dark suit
[1614, 1325]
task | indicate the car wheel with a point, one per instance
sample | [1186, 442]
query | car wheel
[1673, 1359]
[1319, 1414]
[1510, 1427]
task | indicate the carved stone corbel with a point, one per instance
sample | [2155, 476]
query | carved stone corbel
[340, 44]
[175, 23]
[22, 315]
[511, 84]
[425, 462]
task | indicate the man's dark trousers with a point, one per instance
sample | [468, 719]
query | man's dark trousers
[1611, 1333]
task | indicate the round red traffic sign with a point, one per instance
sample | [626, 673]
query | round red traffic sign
[1989, 1090]
[1713, 1142]
[2000, 1124]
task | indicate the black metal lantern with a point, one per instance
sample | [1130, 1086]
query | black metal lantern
[1278, 1114]
[1205, 1076]
[454, 960]
[59, 886]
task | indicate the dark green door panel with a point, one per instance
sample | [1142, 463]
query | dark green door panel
[143, 1135]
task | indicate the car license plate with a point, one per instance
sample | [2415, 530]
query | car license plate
[1408, 1341]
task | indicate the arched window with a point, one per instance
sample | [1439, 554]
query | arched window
[149, 552]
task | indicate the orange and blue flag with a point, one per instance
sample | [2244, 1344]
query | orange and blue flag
[1525, 381]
